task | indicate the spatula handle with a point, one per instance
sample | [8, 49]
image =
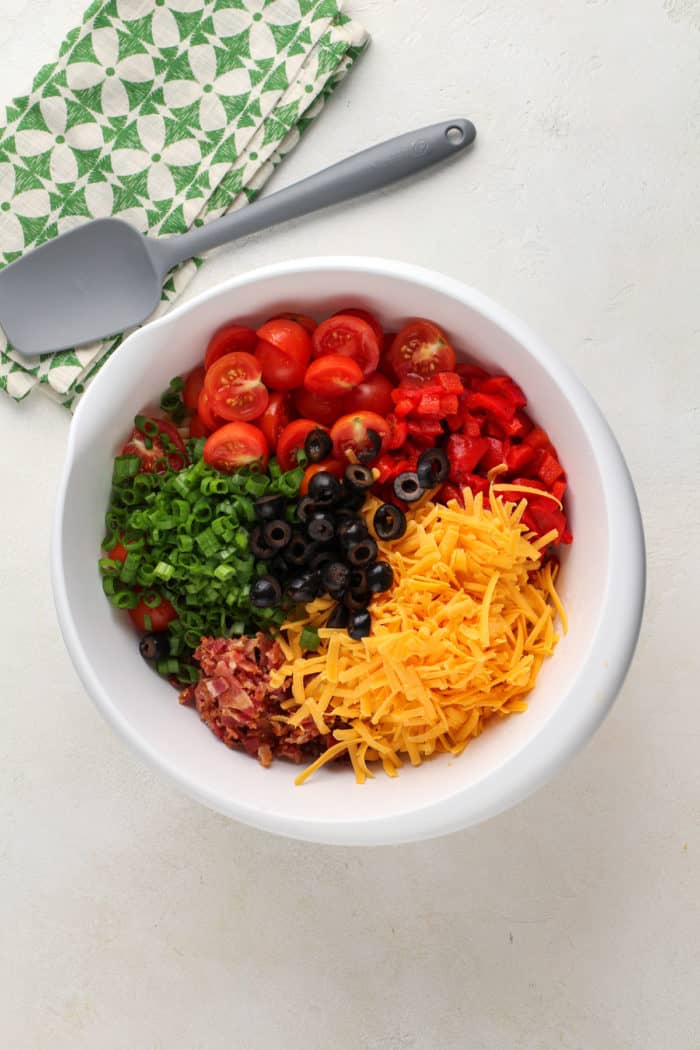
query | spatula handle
[362, 173]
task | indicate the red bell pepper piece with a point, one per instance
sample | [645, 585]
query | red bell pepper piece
[539, 438]
[497, 407]
[495, 454]
[558, 489]
[403, 407]
[472, 425]
[450, 382]
[518, 457]
[448, 492]
[519, 426]
[464, 454]
[398, 432]
[449, 404]
[549, 469]
[429, 405]
[470, 373]
[504, 386]
[492, 428]
[476, 483]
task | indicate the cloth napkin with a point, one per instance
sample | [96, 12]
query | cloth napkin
[165, 113]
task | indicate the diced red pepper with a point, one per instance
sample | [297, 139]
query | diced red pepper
[403, 407]
[450, 382]
[495, 454]
[546, 518]
[549, 469]
[472, 425]
[398, 432]
[558, 489]
[518, 457]
[470, 373]
[498, 407]
[504, 386]
[429, 405]
[476, 483]
[494, 429]
[448, 492]
[530, 483]
[449, 404]
[519, 426]
[464, 454]
[539, 438]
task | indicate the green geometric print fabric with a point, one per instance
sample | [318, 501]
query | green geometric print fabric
[165, 113]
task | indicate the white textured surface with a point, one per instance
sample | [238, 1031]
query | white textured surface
[133, 917]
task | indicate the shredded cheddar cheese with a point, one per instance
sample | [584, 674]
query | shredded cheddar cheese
[457, 641]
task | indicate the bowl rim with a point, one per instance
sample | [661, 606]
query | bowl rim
[605, 664]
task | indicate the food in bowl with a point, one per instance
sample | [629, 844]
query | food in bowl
[340, 543]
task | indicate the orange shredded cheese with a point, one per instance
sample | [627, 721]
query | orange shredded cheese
[457, 641]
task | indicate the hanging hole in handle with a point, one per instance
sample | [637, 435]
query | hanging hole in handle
[455, 135]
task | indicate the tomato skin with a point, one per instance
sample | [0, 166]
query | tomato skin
[372, 395]
[306, 322]
[324, 410]
[135, 445]
[349, 336]
[288, 336]
[330, 466]
[292, 441]
[275, 418]
[350, 434]
[421, 349]
[206, 413]
[197, 428]
[194, 382]
[280, 371]
[234, 388]
[118, 552]
[332, 376]
[160, 616]
[365, 315]
[236, 445]
[227, 340]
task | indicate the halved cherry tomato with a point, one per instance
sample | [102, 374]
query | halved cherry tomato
[365, 315]
[193, 385]
[353, 436]
[384, 365]
[234, 387]
[291, 442]
[283, 350]
[275, 418]
[349, 336]
[206, 412]
[236, 445]
[329, 466]
[324, 410]
[304, 320]
[232, 338]
[372, 395]
[156, 618]
[197, 428]
[332, 375]
[421, 348]
[118, 552]
[151, 450]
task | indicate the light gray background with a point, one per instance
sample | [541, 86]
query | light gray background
[132, 917]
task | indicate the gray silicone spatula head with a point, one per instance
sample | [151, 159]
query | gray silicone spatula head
[105, 277]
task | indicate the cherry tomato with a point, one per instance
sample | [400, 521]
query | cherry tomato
[372, 395]
[206, 413]
[353, 436]
[349, 336]
[332, 375]
[234, 387]
[365, 315]
[151, 450]
[304, 320]
[236, 445]
[275, 418]
[283, 350]
[330, 466]
[324, 410]
[291, 441]
[421, 349]
[118, 552]
[197, 428]
[192, 388]
[230, 339]
[384, 365]
[158, 617]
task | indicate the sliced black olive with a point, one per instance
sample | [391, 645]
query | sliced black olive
[277, 533]
[407, 486]
[259, 547]
[304, 587]
[343, 514]
[155, 646]
[318, 445]
[359, 624]
[336, 578]
[324, 488]
[389, 522]
[362, 552]
[305, 508]
[358, 582]
[358, 476]
[354, 600]
[298, 551]
[265, 592]
[278, 567]
[380, 577]
[339, 617]
[366, 455]
[352, 530]
[352, 498]
[321, 558]
[433, 467]
[321, 528]
[267, 508]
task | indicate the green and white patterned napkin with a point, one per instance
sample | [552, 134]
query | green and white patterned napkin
[165, 113]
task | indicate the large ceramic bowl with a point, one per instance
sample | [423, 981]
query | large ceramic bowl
[602, 579]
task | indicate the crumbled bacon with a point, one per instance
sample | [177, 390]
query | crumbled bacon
[234, 698]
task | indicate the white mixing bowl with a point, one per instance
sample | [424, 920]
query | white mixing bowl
[602, 579]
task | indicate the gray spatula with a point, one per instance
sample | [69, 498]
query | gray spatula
[105, 277]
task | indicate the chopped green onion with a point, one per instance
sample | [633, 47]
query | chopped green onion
[125, 467]
[309, 638]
